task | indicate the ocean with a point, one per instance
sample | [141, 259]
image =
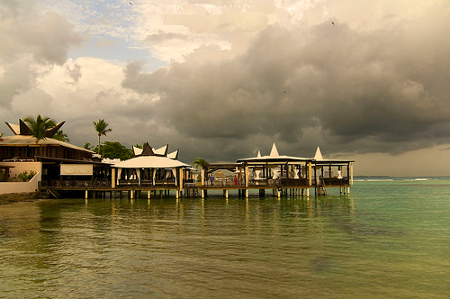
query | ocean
[390, 238]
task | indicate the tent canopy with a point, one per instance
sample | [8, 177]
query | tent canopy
[150, 162]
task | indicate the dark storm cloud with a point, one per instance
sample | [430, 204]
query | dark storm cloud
[365, 91]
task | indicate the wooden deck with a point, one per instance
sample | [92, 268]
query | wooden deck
[135, 188]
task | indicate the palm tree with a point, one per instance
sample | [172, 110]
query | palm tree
[200, 163]
[101, 127]
[61, 136]
[88, 146]
[39, 126]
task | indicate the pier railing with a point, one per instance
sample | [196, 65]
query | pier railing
[75, 184]
[259, 183]
[216, 183]
[335, 181]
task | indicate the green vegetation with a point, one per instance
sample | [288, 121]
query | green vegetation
[39, 126]
[88, 146]
[141, 146]
[115, 150]
[61, 136]
[25, 176]
[200, 163]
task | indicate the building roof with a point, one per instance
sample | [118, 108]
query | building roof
[319, 160]
[23, 129]
[273, 157]
[149, 157]
[28, 140]
[150, 162]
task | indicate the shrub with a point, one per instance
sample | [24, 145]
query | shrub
[25, 176]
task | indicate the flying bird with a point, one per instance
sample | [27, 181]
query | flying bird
[332, 23]
[130, 3]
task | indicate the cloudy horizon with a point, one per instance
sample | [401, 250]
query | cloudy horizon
[222, 79]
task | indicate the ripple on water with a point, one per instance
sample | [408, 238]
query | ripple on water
[255, 248]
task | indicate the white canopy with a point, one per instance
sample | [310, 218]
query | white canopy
[150, 162]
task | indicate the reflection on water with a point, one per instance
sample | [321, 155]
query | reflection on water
[322, 247]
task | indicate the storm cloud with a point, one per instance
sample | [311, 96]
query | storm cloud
[223, 79]
[364, 91]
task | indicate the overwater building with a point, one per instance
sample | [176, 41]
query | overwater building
[62, 167]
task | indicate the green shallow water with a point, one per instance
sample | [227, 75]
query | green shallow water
[387, 239]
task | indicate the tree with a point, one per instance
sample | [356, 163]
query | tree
[61, 136]
[141, 146]
[115, 150]
[88, 146]
[200, 163]
[101, 127]
[39, 126]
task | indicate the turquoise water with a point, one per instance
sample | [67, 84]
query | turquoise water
[386, 239]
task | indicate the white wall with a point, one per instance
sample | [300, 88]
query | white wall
[19, 187]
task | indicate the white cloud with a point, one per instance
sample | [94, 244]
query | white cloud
[239, 78]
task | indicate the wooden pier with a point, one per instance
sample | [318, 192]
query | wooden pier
[153, 174]
[278, 188]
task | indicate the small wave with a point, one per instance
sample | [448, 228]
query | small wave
[380, 180]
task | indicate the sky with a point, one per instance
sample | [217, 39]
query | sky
[221, 79]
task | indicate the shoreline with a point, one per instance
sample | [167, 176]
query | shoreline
[21, 197]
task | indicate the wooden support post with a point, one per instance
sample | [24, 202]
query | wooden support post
[309, 174]
[202, 174]
[246, 179]
[86, 194]
[113, 177]
[329, 172]
[351, 174]
[246, 193]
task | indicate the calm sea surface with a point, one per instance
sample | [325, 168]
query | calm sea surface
[387, 239]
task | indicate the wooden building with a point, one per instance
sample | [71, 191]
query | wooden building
[282, 174]
[47, 157]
